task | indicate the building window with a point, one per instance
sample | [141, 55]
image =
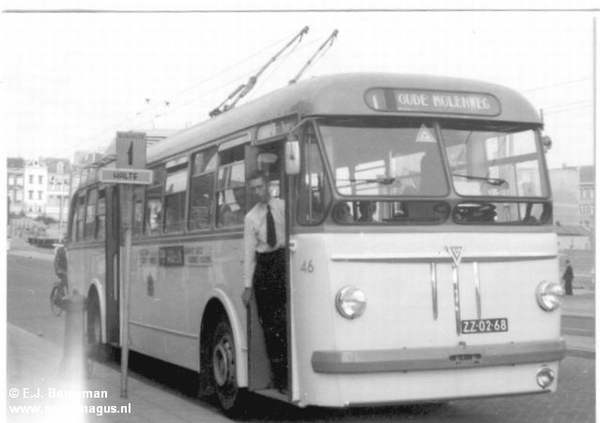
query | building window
[31, 195]
[40, 180]
[60, 167]
[40, 193]
[31, 179]
[11, 180]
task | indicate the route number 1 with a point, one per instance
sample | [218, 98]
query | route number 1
[130, 154]
[131, 150]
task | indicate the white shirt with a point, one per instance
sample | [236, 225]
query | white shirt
[255, 234]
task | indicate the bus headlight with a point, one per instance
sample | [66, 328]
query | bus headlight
[350, 302]
[549, 295]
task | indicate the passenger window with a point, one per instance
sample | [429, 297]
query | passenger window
[231, 187]
[174, 202]
[101, 216]
[90, 215]
[80, 216]
[138, 210]
[201, 195]
[153, 214]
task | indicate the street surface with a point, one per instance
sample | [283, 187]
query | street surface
[28, 287]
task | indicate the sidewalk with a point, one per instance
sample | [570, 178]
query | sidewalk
[581, 304]
[34, 364]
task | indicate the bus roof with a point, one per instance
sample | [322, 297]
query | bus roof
[345, 95]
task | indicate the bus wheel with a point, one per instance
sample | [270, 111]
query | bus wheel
[224, 366]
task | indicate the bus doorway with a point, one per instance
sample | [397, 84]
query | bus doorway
[268, 351]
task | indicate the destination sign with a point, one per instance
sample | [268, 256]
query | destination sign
[401, 100]
[126, 176]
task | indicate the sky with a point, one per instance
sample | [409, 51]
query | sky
[69, 81]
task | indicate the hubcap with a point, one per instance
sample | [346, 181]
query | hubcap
[223, 366]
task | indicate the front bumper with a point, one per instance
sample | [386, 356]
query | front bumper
[438, 358]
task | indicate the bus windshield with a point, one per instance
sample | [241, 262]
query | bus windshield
[499, 161]
[385, 158]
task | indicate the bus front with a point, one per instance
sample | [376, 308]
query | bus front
[423, 264]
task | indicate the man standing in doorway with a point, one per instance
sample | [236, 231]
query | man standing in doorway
[568, 278]
[264, 270]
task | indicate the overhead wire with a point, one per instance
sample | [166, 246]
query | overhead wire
[552, 112]
[168, 100]
[260, 82]
[558, 84]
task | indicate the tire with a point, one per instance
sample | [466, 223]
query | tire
[232, 398]
[56, 296]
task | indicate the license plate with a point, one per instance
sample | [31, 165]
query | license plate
[484, 326]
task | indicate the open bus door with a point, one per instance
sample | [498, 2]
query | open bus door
[112, 264]
[269, 160]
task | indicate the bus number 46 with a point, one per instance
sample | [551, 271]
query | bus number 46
[307, 267]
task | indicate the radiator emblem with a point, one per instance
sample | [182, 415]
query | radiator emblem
[456, 254]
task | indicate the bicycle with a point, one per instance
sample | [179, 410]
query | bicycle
[58, 292]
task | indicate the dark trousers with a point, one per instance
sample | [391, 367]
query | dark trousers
[569, 286]
[270, 293]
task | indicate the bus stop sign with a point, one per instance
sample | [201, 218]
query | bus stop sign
[131, 150]
[131, 161]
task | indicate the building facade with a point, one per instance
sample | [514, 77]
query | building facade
[15, 178]
[573, 190]
[38, 187]
[587, 212]
[565, 194]
[59, 189]
[35, 187]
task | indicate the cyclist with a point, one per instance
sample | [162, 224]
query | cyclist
[60, 263]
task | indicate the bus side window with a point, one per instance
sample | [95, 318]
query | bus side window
[73, 217]
[315, 195]
[201, 189]
[80, 216]
[153, 213]
[138, 210]
[101, 215]
[90, 215]
[231, 187]
[174, 201]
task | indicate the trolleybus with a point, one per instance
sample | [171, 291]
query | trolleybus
[421, 259]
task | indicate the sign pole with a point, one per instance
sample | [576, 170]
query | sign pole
[125, 288]
[130, 171]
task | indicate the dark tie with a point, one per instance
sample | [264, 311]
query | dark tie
[271, 235]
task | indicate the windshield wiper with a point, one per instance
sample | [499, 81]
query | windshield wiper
[378, 180]
[492, 181]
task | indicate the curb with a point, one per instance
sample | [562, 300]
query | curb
[579, 353]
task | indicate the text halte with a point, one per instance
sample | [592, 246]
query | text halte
[125, 176]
